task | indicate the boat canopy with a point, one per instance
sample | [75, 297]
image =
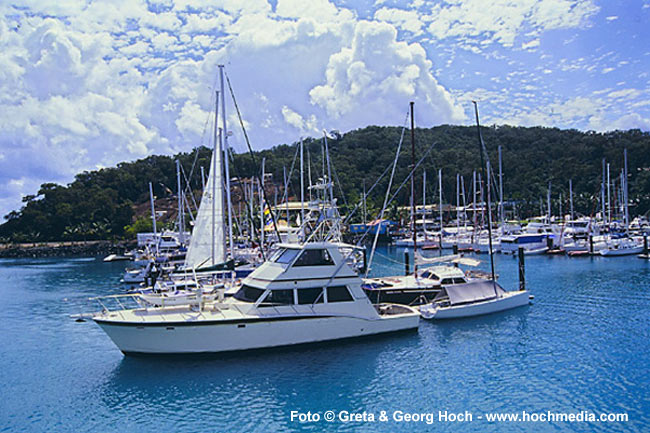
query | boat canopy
[474, 291]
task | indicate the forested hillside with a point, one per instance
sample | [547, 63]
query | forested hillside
[104, 203]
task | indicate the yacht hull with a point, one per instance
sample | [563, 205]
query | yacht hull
[245, 334]
[621, 252]
[507, 302]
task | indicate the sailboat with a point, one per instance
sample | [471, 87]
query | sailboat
[475, 297]
[207, 249]
[472, 299]
[206, 259]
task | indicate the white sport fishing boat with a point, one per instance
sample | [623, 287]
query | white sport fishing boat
[473, 299]
[303, 294]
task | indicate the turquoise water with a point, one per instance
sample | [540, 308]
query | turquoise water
[582, 346]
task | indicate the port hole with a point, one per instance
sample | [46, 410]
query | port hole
[241, 326]
[170, 328]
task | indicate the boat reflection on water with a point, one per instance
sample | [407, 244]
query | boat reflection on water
[255, 390]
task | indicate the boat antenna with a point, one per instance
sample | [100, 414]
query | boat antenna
[480, 149]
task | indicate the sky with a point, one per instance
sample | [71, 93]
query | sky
[89, 84]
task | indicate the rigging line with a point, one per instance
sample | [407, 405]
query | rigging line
[411, 174]
[188, 188]
[187, 205]
[285, 197]
[252, 155]
[338, 183]
[390, 184]
[389, 259]
[360, 202]
[235, 170]
[205, 128]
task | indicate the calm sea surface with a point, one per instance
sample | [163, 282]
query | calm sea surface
[584, 345]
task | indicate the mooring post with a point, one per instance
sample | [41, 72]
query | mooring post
[522, 270]
[645, 245]
[591, 244]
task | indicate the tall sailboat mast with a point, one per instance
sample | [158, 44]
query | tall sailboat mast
[571, 198]
[424, 201]
[302, 187]
[260, 195]
[548, 203]
[627, 212]
[226, 153]
[609, 203]
[181, 226]
[489, 217]
[153, 216]
[502, 218]
[213, 173]
[415, 243]
[474, 219]
[440, 202]
[457, 207]
[602, 193]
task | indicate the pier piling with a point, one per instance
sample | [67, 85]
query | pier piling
[522, 269]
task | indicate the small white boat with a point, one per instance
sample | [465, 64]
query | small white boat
[137, 276]
[179, 297]
[116, 258]
[472, 299]
[536, 251]
[422, 241]
[621, 247]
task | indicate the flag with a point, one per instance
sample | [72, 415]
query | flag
[267, 216]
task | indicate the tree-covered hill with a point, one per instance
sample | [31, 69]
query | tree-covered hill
[103, 203]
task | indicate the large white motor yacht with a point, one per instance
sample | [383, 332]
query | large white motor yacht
[304, 293]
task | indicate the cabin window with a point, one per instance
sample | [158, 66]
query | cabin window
[338, 294]
[310, 296]
[314, 258]
[430, 275]
[278, 297]
[286, 256]
[447, 281]
[248, 293]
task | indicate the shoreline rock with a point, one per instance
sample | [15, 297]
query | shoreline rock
[60, 249]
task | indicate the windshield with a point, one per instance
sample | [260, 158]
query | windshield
[285, 256]
[248, 294]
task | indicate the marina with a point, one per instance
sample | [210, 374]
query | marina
[583, 343]
[282, 216]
